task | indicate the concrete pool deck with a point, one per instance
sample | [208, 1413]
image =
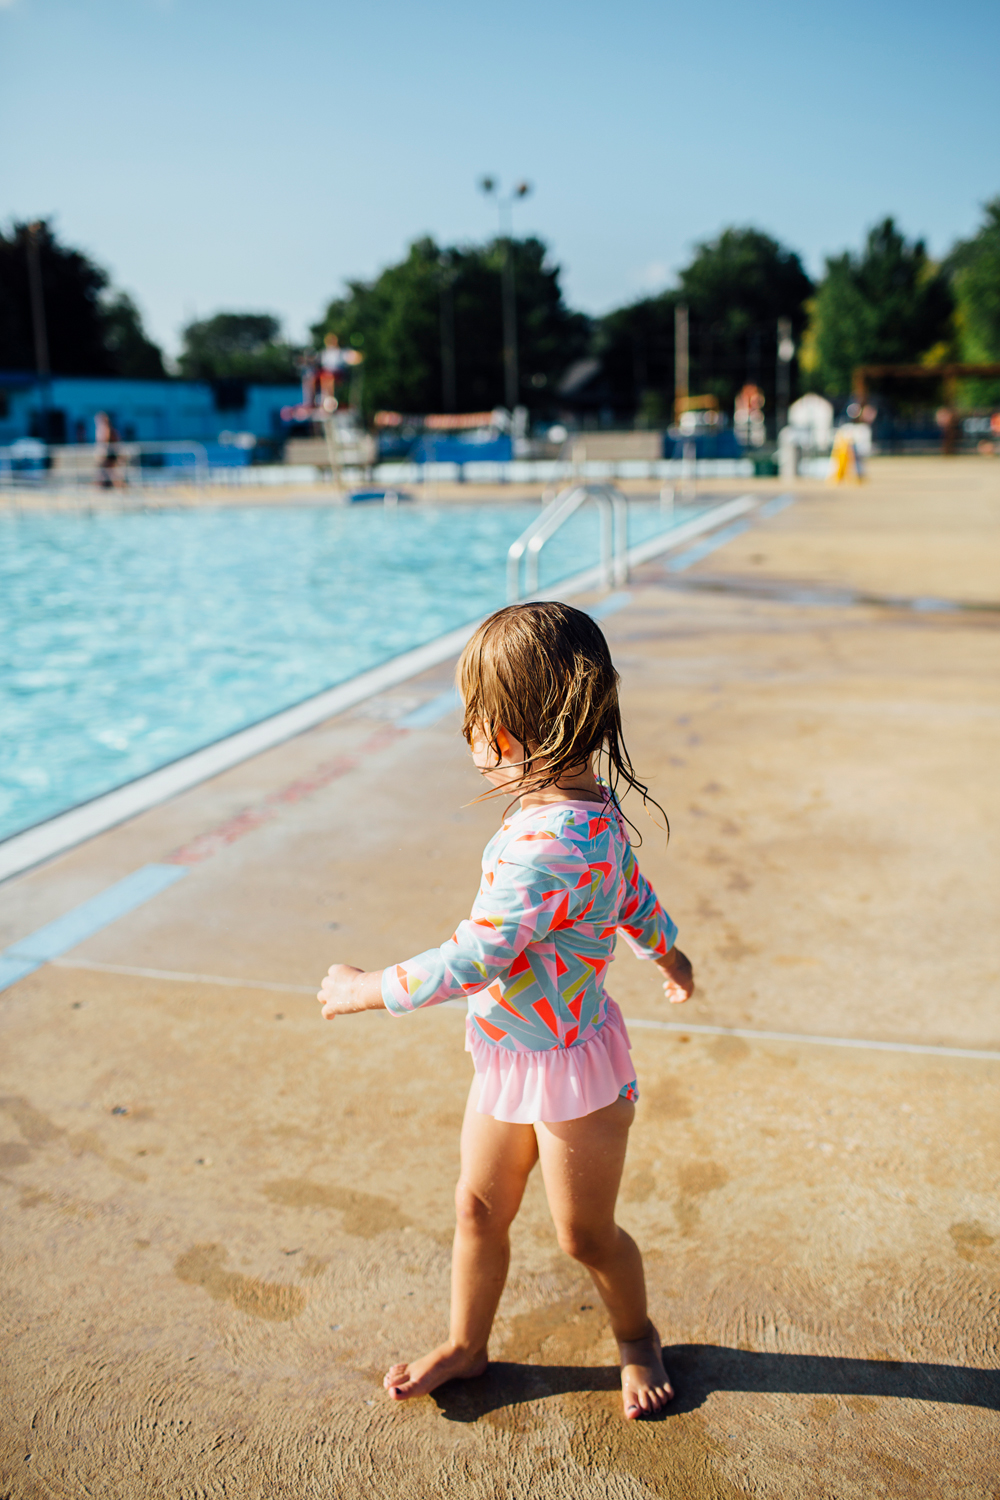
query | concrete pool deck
[223, 1217]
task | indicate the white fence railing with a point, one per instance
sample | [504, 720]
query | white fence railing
[28, 464]
[67, 468]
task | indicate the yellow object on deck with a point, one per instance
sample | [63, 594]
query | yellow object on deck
[844, 468]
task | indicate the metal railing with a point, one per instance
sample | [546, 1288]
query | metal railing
[613, 508]
[136, 469]
[70, 465]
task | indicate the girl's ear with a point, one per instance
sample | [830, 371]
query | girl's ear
[503, 740]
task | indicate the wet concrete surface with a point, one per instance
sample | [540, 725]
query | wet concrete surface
[223, 1217]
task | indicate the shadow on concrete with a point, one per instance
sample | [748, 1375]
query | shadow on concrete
[699, 1369]
[791, 591]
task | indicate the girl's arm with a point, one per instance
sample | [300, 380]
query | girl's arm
[650, 933]
[521, 904]
[346, 990]
[647, 929]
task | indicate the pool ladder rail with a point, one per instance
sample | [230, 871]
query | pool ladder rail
[613, 508]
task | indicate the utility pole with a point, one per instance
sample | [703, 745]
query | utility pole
[511, 378]
[682, 359]
[786, 353]
[38, 326]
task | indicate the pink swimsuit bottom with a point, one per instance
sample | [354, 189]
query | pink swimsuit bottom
[563, 1083]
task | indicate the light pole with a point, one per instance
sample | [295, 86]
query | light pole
[491, 187]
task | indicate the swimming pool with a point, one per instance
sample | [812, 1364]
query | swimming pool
[128, 640]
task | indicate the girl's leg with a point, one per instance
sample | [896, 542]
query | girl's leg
[496, 1162]
[582, 1163]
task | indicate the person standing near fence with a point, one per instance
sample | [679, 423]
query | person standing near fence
[106, 438]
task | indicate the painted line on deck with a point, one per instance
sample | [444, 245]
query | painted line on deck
[777, 505]
[134, 972]
[692, 555]
[609, 606]
[667, 541]
[432, 711]
[676, 1027]
[213, 840]
[57, 937]
[862, 1044]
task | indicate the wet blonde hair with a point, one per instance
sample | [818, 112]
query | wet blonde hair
[543, 672]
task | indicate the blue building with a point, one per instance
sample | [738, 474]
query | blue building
[147, 411]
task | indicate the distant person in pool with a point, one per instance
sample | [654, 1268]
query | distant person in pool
[553, 1080]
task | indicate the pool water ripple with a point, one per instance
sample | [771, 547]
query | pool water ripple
[129, 640]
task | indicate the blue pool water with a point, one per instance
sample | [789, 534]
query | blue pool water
[127, 641]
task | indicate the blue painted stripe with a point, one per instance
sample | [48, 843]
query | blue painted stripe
[934, 606]
[83, 921]
[778, 504]
[695, 554]
[610, 606]
[692, 555]
[430, 712]
[13, 969]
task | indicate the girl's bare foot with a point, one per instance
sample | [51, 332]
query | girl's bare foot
[645, 1385]
[425, 1375]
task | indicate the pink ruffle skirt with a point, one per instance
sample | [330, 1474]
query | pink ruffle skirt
[564, 1083]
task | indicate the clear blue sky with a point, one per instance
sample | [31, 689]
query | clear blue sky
[214, 154]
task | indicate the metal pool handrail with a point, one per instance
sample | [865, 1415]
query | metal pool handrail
[613, 509]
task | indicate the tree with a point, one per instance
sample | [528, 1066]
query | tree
[134, 355]
[736, 288]
[90, 330]
[402, 319]
[71, 288]
[975, 274]
[237, 347]
[635, 345]
[889, 305]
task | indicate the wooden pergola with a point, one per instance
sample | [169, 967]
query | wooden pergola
[949, 375]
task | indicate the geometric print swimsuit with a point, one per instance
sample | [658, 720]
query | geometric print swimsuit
[558, 883]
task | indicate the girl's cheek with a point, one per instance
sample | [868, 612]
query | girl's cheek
[483, 755]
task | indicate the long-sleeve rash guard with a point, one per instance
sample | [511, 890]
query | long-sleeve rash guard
[559, 881]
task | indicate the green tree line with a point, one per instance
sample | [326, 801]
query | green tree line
[441, 306]
[91, 329]
[431, 325]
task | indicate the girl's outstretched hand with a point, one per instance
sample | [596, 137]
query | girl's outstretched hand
[346, 990]
[678, 976]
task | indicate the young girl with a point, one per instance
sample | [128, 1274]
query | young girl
[553, 1075]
